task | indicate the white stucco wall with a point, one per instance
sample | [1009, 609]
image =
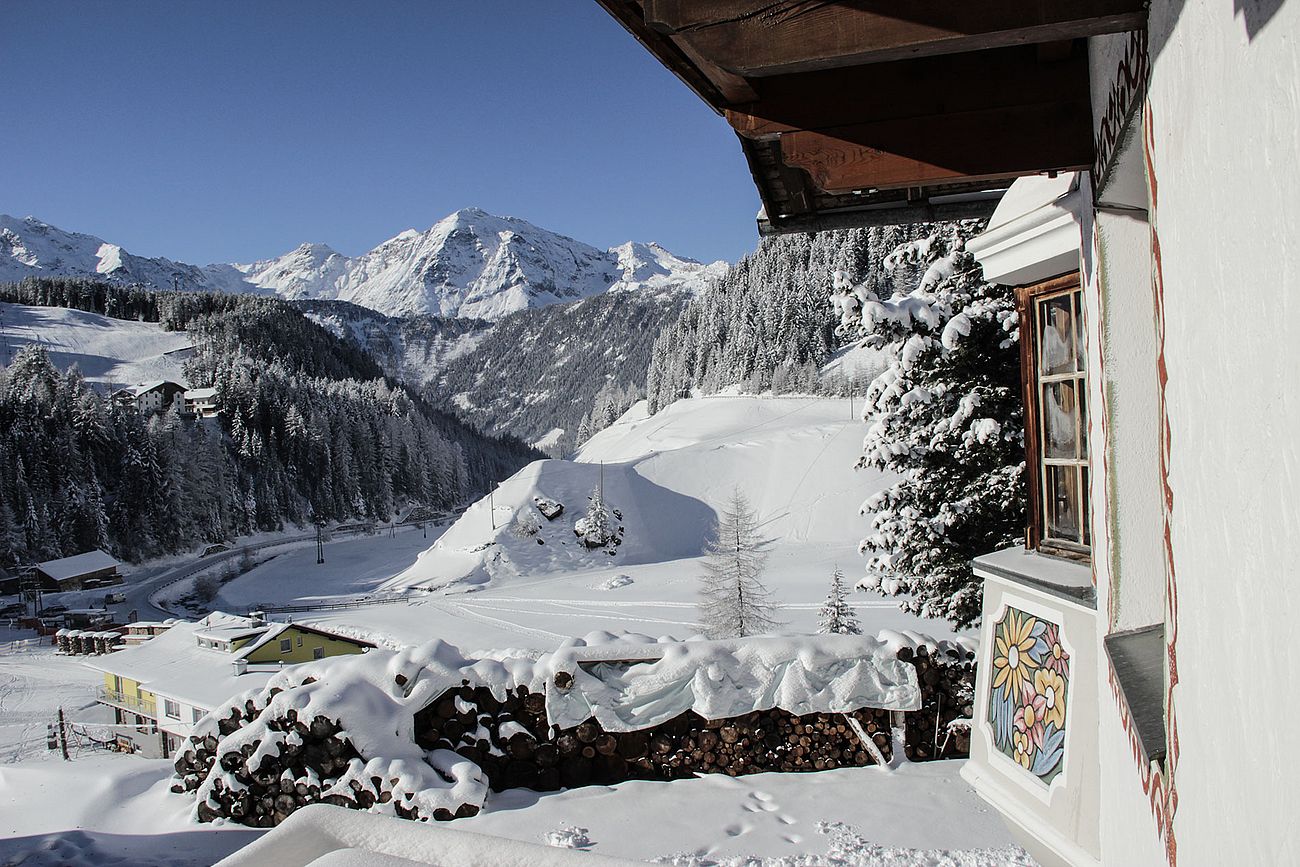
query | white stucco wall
[1125, 390]
[1126, 514]
[1225, 102]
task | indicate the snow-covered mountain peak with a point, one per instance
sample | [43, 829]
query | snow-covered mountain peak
[470, 263]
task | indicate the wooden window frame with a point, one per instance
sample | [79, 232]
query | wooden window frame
[1035, 535]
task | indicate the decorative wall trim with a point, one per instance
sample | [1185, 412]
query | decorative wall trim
[1170, 805]
[1126, 92]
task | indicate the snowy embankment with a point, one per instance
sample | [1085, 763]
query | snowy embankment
[114, 352]
[666, 475]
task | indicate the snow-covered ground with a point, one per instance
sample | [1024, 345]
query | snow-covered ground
[114, 352]
[666, 474]
[484, 588]
[34, 683]
[858, 816]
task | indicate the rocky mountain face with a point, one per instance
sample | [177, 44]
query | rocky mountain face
[470, 264]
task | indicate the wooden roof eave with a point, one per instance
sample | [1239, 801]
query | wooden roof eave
[850, 115]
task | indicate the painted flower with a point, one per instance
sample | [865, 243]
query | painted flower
[1012, 664]
[1030, 714]
[1023, 749]
[1056, 658]
[1050, 687]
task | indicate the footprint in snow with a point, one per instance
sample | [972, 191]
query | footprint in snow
[792, 838]
[736, 830]
[786, 820]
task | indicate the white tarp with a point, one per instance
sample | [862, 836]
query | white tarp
[721, 679]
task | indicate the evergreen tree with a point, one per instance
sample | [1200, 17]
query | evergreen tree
[733, 599]
[947, 418]
[595, 528]
[836, 616]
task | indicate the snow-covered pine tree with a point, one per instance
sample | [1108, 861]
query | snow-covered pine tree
[595, 529]
[946, 416]
[733, 599]
[836, 616]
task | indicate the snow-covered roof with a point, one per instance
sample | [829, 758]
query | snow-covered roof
[200, 394]
[1034, 233]
[220, 626]
[77, 565]
[174, 666]
[147, 387]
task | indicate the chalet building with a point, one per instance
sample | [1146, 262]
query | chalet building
[1134, 682]
[80, 572]
[150, 397]
[201, 402]
[165, 683]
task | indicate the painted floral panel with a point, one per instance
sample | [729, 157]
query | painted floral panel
[1027, 696]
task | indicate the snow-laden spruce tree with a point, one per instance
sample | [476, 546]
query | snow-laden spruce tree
[733, 599]
[595, 529]
[836, 616]
[946, 415]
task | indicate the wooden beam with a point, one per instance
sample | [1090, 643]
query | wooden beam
[755, 38]
[1002, 142]
[951, 84]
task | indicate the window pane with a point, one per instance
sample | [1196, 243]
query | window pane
[1080, 345]
[1062, 503]
[1083, 420]
[1086, 512]
[1056, 336]
[1060, 408]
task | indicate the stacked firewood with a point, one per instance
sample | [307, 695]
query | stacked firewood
[512, 742]
[79, 642]
[947, 679]
[308, 758]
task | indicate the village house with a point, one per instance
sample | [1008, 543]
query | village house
[1153, 244]
[201, 402]
[148, 398]
[163, 685]
[83, 571]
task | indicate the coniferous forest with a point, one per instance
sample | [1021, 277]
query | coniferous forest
[309, 427]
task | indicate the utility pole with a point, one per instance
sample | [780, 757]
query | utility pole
[63, 736]
[492, 507]
[601, 485]
[320, 543]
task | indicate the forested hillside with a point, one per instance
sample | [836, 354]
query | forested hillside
[538, 373]
[309, 427]
[768, 323]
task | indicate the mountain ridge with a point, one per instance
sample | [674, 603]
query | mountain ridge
[469, 264]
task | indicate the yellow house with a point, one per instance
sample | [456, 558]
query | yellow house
[159, 689]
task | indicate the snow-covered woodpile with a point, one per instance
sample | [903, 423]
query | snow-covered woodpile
[425, 732]
[514, 744]
[81, 642]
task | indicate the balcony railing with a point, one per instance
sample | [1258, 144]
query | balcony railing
[127, 701]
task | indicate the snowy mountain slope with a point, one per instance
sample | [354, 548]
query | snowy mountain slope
[469, 264]
[668, 474]
[792, 457]
[31, 248]
[114, 352]
[415, 349]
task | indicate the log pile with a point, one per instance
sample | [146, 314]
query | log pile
[258, 776]
[81, 642]
[512, 742]
[947, 680]
[307, 759]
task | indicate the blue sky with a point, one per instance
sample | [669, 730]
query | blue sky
[232, 131]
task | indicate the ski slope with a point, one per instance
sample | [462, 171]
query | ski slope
[114, 352]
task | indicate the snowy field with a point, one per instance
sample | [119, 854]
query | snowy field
[114, 352]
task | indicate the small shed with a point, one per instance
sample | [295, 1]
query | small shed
[79, 572]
